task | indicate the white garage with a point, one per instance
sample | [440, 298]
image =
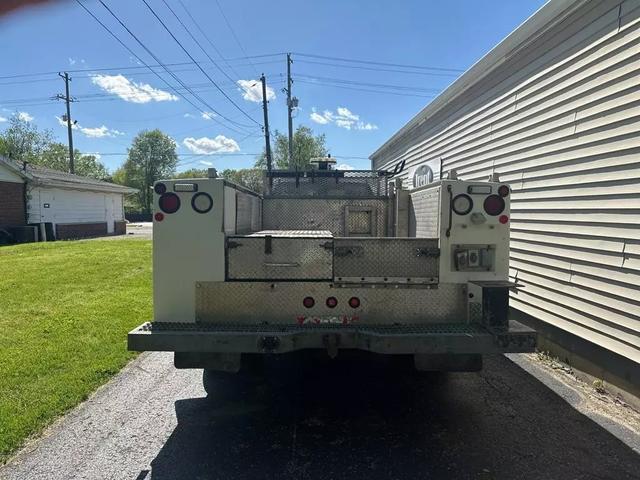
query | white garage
[67, 206]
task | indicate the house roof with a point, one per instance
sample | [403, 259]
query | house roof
[39, 175]
[550, 14]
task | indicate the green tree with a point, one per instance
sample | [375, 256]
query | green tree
[56, 156]
[306, 146]
[250, 178]
[192, 173]
[22, 141]
[152, 157]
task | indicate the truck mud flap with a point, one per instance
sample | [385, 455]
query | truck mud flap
[386, 339]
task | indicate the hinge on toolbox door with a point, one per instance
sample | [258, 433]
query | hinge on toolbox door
[428, 252]
[327, 245]
[354, 251]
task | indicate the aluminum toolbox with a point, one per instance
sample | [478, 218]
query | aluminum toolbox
[280, 255]
[386, 260]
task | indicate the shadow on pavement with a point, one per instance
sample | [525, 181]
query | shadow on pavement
[342, 420]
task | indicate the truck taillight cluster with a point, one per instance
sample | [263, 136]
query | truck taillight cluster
[169, 202]
[331, 302]
[493, 205]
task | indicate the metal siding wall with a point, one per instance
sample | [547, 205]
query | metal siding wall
[560, 121]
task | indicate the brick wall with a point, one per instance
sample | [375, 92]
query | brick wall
[11, 204]
[67, 231]
[120, 228]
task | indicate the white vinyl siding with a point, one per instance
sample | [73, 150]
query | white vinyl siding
[72, 206]
[560, 121]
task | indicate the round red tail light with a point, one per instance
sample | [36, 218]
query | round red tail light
[494, 205]
[354, 302]
[169, 202]
[308, 302]
[159, 216]
[503, 190]
[160, 188]
[332, 302]
[503, 219]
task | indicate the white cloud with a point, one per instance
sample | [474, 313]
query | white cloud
[252, 90]
[95, 132]
[72, 61]
[3, 119]
[131, 91]
[208, 115]
[345, 113]
[344, 166]
[316, 117]
[99, 132]
[189, 115]
[24, 116]
[209, 146]
[208, 164]
[343, 118]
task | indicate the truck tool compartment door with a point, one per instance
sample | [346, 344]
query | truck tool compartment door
[280, 255]
[386, 260]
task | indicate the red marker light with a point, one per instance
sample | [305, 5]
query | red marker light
[332, 302]
[308, 302]
[159, 217]
[169, 202]
[354, 302]
[503, 190]
[160, 188]
[503, 219]
[494, 205]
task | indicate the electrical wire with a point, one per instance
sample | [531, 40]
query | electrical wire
[366, 84]
[197, 64]
[384, 64]
[377, 69]
[142, 61]
[400, 94]
[204, 102]
[203, 33]
[196, 41]
[226, 20]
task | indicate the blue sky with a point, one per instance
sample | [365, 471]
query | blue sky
[357, 105]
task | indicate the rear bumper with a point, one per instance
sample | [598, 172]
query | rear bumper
[386, 339]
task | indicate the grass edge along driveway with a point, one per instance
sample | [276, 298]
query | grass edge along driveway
[65, 310]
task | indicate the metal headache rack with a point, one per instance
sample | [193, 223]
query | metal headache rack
[326, 183]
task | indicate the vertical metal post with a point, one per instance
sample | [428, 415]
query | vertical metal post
[289, 109]
[266, 123]
[67, 100]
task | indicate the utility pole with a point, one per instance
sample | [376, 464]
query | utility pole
[290, 108]
[266, 122]
[67, 98]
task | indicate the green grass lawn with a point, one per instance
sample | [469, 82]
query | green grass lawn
[65, 310]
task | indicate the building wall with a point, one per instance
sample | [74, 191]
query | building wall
[11, 204]
[560, 121]
[65, 206]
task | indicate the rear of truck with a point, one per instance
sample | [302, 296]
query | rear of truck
[331, 260]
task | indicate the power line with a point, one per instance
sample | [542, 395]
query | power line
[140, 59]
[377, 69]
[197, 42]
[384, 64]
[196, 63]
[400, 94]
[376, 85]
[226, 20]
[175, 77]
[202, 32]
